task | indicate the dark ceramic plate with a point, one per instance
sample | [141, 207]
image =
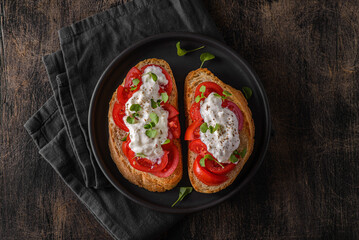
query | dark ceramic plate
[227, 66]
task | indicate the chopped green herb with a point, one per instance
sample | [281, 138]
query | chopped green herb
[247, 92]
[166, 142]
[147, 126]
[135, 115]
[141, 155]
[135, 82]
[209, 156]
[124, 138]
[202, 162]
[226, 93]
[181, 52]
[206, 57]
[204, 127]
[135, 107]
[153, 76]
[164, 97]
[153, 104]
[233, 158]
[130, 120]
[217, 95]
[154, 117]
[184, 191]
[202, 89]
[151, 133]
[243, 152]
[152, 124]
[215, 128]
[198, 98]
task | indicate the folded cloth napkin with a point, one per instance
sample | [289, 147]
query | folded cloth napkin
[59, 128]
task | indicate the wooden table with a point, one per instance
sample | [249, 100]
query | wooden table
[305, 53]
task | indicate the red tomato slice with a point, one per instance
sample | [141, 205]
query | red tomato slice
[118, 113]
[173, 159]
[210, 87]
[174, 127]
[206, 176]
[146, 165]
[234, 108]
[192, 131]
[198, 147]
[195, 111]
[172, 111]
[125, 146]
[123, 94]
[168, 87]
[132, 74]
[215, 168]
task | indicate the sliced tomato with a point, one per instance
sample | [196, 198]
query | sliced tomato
[195, 111]
[173, 159]
[234, 108]
[167, 88]
[132, 74]
[174, 127]
[118, 114]
[198, 147]
[146, 165]
[210, 87]
[123, 94]
[215, 168]
[125, 146]
[206, 176]
[192, 131]
[172, 111]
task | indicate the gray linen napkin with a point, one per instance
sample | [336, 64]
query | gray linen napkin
[59, 128]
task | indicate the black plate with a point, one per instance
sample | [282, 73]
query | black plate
[227, 66]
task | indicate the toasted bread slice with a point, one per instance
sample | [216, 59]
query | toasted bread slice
[143, 179]
[246, 135]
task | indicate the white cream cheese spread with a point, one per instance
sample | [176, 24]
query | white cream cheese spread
[141, 143]
[222, 142]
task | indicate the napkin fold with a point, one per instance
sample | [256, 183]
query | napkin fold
[59, 127]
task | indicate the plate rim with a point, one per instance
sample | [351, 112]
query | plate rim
[252, 171]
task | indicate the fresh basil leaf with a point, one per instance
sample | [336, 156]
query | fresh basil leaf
[198, 98]
[153, 104]
[243, 152]
[164, 97]
[141, 155]
[124, 138]
[153, 76]
[202, 162]
[135, 107]
[166, 142]
[233, 158]
[154, 117]
[130, 120]
[206, 57]
[202, 89]
[184, 191]
[247, 92]
[226, 93]
[151, 133]
[204, 127]
[147, 126]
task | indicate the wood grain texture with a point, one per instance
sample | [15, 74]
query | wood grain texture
[305, 53]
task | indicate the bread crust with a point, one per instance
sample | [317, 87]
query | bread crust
[143, 179]
[246, 135]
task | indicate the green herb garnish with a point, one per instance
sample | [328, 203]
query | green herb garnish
[184, 191]
[135, 82]
[154, 117]
[181, 52]
[247, 92]
[141, 155]
[198, 98]
[206, 57]
[166, 142]
[135, 107]
[124, 138]
[204, 127]
[215, 128]
[153, 76]
[164, 97]
[130, 120]
[151, 133]
[153, 104]
[202, 89]
[225, 95]
[243, 153]
[233, 158]
[208, 156]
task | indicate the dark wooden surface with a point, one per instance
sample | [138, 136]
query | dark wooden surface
[306, 54]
